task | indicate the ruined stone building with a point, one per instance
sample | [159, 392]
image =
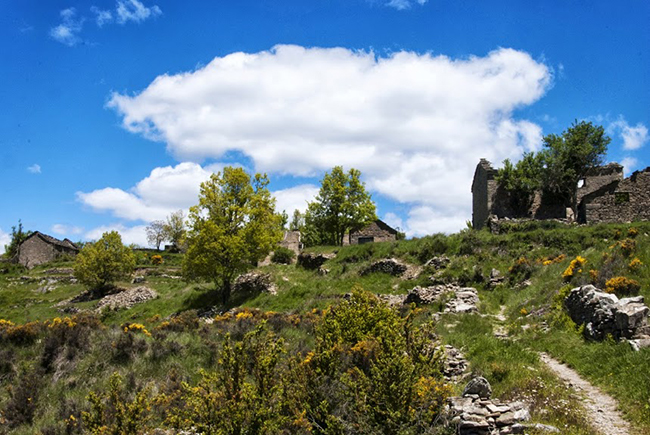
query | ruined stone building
[603, 196]
[291, 240]
[40, 248]
[377, 231]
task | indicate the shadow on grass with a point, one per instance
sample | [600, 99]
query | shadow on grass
[202, 299]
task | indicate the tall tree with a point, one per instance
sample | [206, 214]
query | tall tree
[342, 205]
[156, 233]
[175, 229]
[522, 180]
[231, 229]
[569, 157]
[18, 236]
[297, 221]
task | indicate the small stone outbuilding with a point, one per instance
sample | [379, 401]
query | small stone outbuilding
[377, 231]
[40, 248]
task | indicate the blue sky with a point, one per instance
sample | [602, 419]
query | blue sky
[115, 111]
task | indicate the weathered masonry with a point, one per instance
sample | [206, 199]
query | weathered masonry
[40, 248]
[603, 196]
[377, 231]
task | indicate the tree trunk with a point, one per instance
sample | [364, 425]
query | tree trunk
[225, 291]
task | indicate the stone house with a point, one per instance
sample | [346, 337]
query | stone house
[40, 248]
[377, 231]
[603, 196]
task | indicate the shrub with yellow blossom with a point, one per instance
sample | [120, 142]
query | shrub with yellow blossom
[574, 269]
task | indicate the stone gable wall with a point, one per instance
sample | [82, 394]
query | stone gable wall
[629, 201]
[292, 241]
[35, 251]
[373, 230]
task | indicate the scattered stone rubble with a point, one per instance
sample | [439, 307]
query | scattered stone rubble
[464, 301]
[495, 279]
[604, 313]
[127, 298]
[390, 266]
[255, 282]
[313, 261]
[438, 262]
[476, 414]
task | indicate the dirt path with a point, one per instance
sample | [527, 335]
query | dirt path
[602, 408]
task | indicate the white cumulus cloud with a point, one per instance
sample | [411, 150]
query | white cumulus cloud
[136, 235]
[5, 239]
[68, 31]
[34, 169]
[414, 124]
[102, 17]
[634, 137]
[294, 198]
[66, 230]
[134, 10]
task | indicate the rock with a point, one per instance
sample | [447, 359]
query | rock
[479, 386]
[474, 415]
[313, 261]
[455, 365]
[392, 300]
[603, 313]
[323, 271]
[138, 279]
[639, 344]
[540, 428]
[390, 266]
[438, 262]
[127, 298]
[254, 282]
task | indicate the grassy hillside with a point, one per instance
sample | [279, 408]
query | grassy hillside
[61, 360]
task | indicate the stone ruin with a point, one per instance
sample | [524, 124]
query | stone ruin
[603, 314]
[604, 195]
[313, 261]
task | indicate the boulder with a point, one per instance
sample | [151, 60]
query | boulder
[313, 261]
[425, 295]
[603, 313]
[479, 386]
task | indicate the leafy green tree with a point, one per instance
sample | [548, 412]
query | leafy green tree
[103, 262]
[342, 205]
[231, 229]
[175, 229]
[522, 180]
[297, 221]
[569, 157]
[18, 236]
[156, 233]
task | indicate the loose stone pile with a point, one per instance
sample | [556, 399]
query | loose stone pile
[455, 365]
[390, 266]
[464, 301]
[476, 414]
[127, 298]
[254, 282]
[427, 295]
[603, 313]
[438, 262]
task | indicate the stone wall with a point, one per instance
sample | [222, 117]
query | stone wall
[483, 188]
[598, 178]
[375, 232]
[629, 201]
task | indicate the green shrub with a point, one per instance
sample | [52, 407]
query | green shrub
[283, 255]
[101, 263]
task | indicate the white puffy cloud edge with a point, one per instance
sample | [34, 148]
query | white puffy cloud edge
[5, 239]
[415, 124]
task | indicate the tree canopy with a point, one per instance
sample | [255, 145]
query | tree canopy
[18, 236]
[174, 229]
[342, 205]
[156, 233]
[569, 157]
[231, 229]
[556, 170]
[103, 262]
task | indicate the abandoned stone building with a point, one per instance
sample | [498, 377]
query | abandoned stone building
[604, 195]
[377, 231]
[291, 240]
[40, 248]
